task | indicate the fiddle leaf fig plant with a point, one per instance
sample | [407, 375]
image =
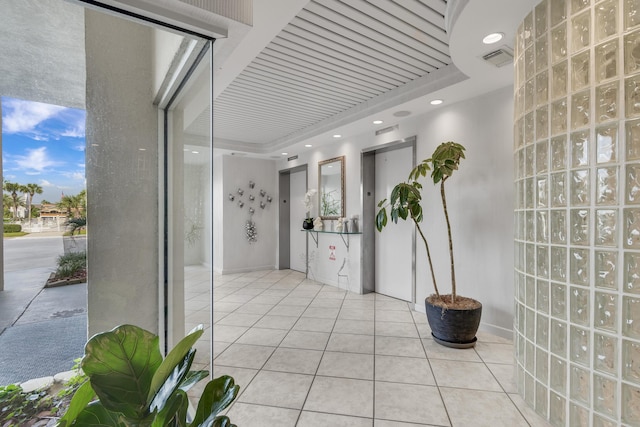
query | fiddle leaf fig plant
[134, 386]
[405, 201]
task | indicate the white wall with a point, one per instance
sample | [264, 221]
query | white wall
[480, 198]
[239, 255]
[219, 197]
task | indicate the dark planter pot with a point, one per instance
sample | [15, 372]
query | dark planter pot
[307, 225]
[453, 328]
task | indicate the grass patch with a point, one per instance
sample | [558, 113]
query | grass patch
[17, 234]
[71, 263]
[82, 232]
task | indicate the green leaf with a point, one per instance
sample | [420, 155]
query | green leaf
[120, 365]
[222, 421]
[175, 410]
[192, 378]
[381, 219]
[175, 356]
[382, 202]
[172, 383]
[96, 415]
[217, 395]
[81, 398]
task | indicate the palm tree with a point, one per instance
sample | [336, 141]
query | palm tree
[71, 204]
[32, 189]
[6, 203]
[13, 189]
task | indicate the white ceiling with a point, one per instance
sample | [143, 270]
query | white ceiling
[335, 65]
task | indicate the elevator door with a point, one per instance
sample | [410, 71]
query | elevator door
[393, 252]
[298, 239]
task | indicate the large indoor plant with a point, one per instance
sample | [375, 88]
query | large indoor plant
[453, 319]
[130, 384]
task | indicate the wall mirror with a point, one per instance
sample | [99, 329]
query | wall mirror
[331, 188]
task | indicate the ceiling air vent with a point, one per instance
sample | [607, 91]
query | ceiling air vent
[387, 129]
[500, 57]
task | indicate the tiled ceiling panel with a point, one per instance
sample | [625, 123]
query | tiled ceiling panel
[333, 56]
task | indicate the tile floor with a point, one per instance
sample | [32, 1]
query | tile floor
[307, 354]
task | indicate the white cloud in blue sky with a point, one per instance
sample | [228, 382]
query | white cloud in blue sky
[43, 144]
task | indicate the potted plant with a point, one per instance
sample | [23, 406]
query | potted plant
[453, 319]
[307, 224]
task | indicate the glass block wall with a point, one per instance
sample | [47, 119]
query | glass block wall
[577, 157]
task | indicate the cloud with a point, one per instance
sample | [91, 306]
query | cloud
[35, 160]
[45, 183]
[23, 116]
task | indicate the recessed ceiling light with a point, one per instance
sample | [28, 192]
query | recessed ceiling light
[308, 145]
[402, 113]
[195, 152]
[142, 149]
[186, 149]
[337, 135]
[437, 102]
[492, 38]
[284, 154]
[377, 122]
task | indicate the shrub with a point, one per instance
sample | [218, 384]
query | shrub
[12, 228]
[71, 263]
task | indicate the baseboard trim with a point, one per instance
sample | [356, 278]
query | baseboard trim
[244, 269]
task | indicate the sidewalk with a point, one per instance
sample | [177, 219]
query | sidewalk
[41, 330]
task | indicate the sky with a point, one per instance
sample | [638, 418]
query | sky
[43, 144]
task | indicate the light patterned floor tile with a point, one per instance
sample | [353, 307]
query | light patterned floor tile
[317, 419]
[246, 415]
[399, 369]
[294, 360]
[341, 396]
[281, 389]
[410, 403]
[346, 365]
[480, 408]
[455, 373]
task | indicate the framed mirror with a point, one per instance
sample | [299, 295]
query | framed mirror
[331, 188]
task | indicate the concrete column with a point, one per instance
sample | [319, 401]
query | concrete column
[122, 175]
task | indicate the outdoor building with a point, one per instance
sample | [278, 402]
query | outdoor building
[208, 123]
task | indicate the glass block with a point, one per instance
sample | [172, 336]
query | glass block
[530, 300]
[559, 148]
[631, 361]
[530, 356]
[543, 261]
[558, 225]
[633, 184]
[580, 149]
[541, 399]
[579, 299]
[529, 64]
[519, 72]
[528, 29]
[606, 143]
[578, 416]
[559, 79]
[631, 317]
[630, 404]
[542, 123]
[542, 300]
[580, 187]
[632, 96]
[580, 384]
[558, 303]
[606, 19]
[529, 193]
[557, 12]
[632, 52]
[580, 66]
[542, 88]
[580, 30]
[540, 19]
[530, 323]
[530, 227]
[607, 102]
[528, 128]
[631, 13]
[542, 54]
[542, 229]
[558, 43]
[607, 186]
[606, 227]
[529, 95]
[605, 353]
[606, 311]
[632, 128]
[543, 197]
[578, 5]
[606, 268]
[558, 190]
[605, 396]
[518, 134]
[579, 226]
[542, 157]
[558, 263]
[557, 411]
[606, 61]
[600, 421]
[580, 111]
[542, 336]
[631, 231]
[558, 375]
[579, 264]
[632, 272]
[558, 338]
[520, 354]
[559, 117]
